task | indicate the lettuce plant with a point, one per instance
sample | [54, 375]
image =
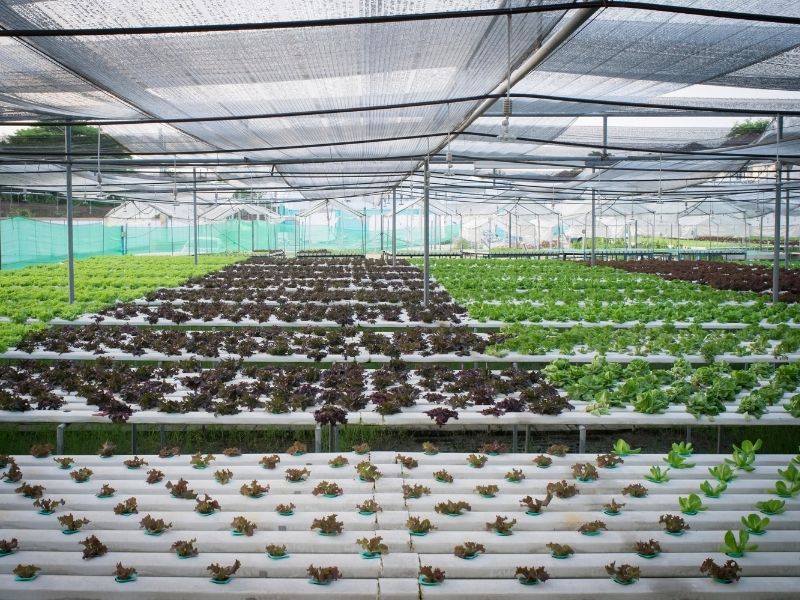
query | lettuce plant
[419, 526]
[361, 449]
[609, 460]
[181, 490]
[561, 489]
[501, 525]
[206, 505]
[241, 526]
[328, 525]
[557, 450]
[487, 491]
[657, 475]
[442, 476]
[123, 573]
[726, 573]
[673, 524]
[338, 461]
[742, 460]
[771, 507]
[269, 462]
[8, 546]
[81, 475]
[106, 491]
[624, 574]
[65, 462]
[48, 507]
[648, 548]
[531, 575]
[584, 472]
[786, 490]
[253, 489]
[635, 490]
[297, 475]
[429, 448]
[452, 507]
[41, 450]
[134, 463]
[368, 472]
[26, 572]
[71, 524]
[223, 476]
[185, 548]
[713, 491]
[323, 575]
[93, 547]
[415, 491]
[691, 504]
[534, 505]
[723, 473]
[276, 551]
[592, 527]
[754, 524]
[223, 573]
[327, 489]
[622, 448]
[683, 448]
[736, 548]
[127, 507]
[676, 460]
[477, 461]
[515, 475]
[543, 461]
[297, 448]
[560, 550]
[613, 507]
[429, 575]
[285, 509]
[198, 461]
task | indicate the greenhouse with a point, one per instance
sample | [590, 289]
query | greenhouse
[439, 299]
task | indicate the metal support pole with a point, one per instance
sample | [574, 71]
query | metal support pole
[594, 228]
[194, 211]
[786, 235]
[60, 438]
[318, 438]
[581, 439]
[426, 233]
[394, 227]
[688, 434]
[514, 437]
[334, 441]
[776, 248]
[70, 248]
[527, 438]
[509, 229]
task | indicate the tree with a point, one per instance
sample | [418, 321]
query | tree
[50, 139]
[749, 126]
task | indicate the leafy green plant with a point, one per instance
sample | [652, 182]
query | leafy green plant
[198, 461]
[452, 507]
[93, 547]
[622, 448]
[297, 475]
[81, 475]
[786, 490]
[613, 507]
[624, 574]
[487, 491]
[26, 571]
[373, 546]
[771, 507]
[285, 509]
[368, 507]
[754, 524]
[561, 489]
[270, 462]
[127, 507]
[153, 526]
[676, 460]
[468, 550]
[584, 472]
[515, 475]
[253, 489]
[419, 526]
[736, 548]
[206, 505]
[328, 489]
[742, 460]
[278, 551]
[223, 476]
[691, 504]
[328, 525]
[560, 550]
[635, 490]
[338, 461]
[713, 491]
[723, 473]
[531, 575]
[501, 525]
[323, 575]
[726, 573]
[241, 525]
[592, 527]
[673, 524]
[409, 462]
[534, 505]
[185, 548]
[477, 461]
[368, 472]
[221, 572]
[416, 490]
[543, 461]
[181, 490]
[609, 461]
[442, 476]
[431, 576]
[656, 475]
[647, 548]
[683, 448]
[70, 523]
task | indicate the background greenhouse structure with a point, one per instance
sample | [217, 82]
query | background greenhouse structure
[389, 300]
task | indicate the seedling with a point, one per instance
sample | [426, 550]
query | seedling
[683, 448]
[13, 475]
[656, 475]
[107, 449]
[297, 448]
[468, 550]
[613, 508]
[93, 547]
[276, 551]
[361, 449]
[26, 572]
[622, 448]
[725, 573]
[206, 505]
[269, 462]
[429, 448]
[154, 476]
[501, 525]
[31, 491]
[722, 473]
[181, 490]
[676, 460]
[430, 576]
[198, 461]
[592, 528]
[123, 574]
[338, 461]
[419, 526]
[531, 575]
[515, 476]
[749, 447]
[790, 473]
[477, 461]
[222, 574]
[557, 450]
[737, 548]
[562, 489]
[8, 546]
[409, 462]
[493, 448]
[368, 507]
[373, 546]
[742, 461]
[560, 550]
[713, 491]
[754, 524]
[167, 452]
[134, 463]
[241, 526]
[106, 491]
[609, 461]
[635, 490]
[585, 472]
[81, 475]
[452, 508]
[543, 461]
[673, 524]
[415, 491]
[41, 450]
[691, 504]
[232, 452]
[647, 549]
[327, 489]
[785, 490]
[48, 506]
[285, 509]
[487, 491]
[442, 476]
[253, 489]
[223, 476]
[368, 472]
[328, 525]
[323, 575]
[127, 507]
[534, 505]
[70, 524]
[771, 507]
[64, 463]
[185, 548]
[623, 574]
[297, 475]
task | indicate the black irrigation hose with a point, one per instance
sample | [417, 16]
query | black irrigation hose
[402, 18]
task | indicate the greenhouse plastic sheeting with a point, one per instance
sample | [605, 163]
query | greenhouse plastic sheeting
[29, 242]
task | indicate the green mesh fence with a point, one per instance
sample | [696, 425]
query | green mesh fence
[26, 242]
